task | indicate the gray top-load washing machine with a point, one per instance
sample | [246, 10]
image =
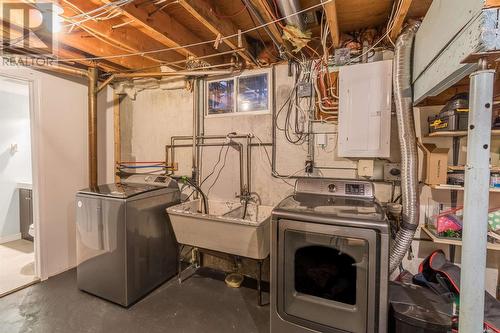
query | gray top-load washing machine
[329, 259]
[125, 243]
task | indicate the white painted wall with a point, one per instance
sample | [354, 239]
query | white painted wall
[15, 164]
[60, 164]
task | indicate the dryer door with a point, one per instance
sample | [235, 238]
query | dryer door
[327, 276]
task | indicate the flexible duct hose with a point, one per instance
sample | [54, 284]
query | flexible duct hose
[403, 96]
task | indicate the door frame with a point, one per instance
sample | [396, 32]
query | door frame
[34, 104]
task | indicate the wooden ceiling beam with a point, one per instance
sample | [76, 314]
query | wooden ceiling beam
[126, 36]
[400, 18]
[91, 45]
[263, 9]
[168, 31]
[60, 53]
[201, 11]
[64, 53]
[333, 22]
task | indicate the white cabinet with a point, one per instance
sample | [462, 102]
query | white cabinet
[365, 99]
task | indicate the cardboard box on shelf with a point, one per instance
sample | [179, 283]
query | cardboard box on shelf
[436, 164]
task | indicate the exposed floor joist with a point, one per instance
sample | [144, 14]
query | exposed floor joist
[333, 22]
[165, 29]
[263, 9]
[126, 36]
[201, 11]
[400, 18]
[91, 45]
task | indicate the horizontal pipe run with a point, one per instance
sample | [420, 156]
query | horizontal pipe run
[163, 74]
[65, 70]
[179, 73]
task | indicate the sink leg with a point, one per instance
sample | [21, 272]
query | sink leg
[179, 264]
[259, 280]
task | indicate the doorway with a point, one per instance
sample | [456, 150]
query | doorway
[17, 231]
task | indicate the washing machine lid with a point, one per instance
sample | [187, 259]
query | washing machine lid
[309, 206]
[120, 190]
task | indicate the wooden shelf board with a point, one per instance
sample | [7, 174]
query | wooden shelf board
[449, 134]
[462, 168]
[491, 246]
[457, 188]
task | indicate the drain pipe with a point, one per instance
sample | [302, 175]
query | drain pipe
[92, 124]
[289, 8]
[403, 96]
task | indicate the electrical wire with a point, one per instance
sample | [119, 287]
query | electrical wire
[203, 42]
[219, 173]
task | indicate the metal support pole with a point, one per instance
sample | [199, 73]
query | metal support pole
[92, 126]
[476, 198]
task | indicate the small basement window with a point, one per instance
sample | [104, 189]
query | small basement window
[220, 97]
[250, 96]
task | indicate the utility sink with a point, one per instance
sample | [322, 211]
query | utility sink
[224, 229]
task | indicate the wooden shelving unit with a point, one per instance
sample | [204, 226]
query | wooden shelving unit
[447, 241]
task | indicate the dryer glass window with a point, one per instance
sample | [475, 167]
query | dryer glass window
[327, 273]
[325, 277]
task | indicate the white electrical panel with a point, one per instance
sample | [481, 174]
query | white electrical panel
[365, 95]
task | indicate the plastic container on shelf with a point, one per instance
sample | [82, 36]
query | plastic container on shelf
[443, 220]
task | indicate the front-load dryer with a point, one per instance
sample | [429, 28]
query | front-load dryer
[329, 259]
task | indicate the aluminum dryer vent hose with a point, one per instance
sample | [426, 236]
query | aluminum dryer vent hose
[409, 159]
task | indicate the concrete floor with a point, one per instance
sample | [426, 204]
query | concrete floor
[202, 303]
[17, 265]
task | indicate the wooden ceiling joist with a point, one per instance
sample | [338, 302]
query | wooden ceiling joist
[64, 52]
[263, 9]
[400, 18]
[333, 22]
[91, 45]
[166, 30]
[201, 11]
[126, 36]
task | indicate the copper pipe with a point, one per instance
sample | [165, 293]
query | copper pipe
[65, 70]
[92, 125]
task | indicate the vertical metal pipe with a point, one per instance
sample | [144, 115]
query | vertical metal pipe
[476, 198]
[196, 92]
[92, 125]
[201, 125]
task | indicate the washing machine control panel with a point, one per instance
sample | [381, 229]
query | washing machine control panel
[158, 180]
[325, 186]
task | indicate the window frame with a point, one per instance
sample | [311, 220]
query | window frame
[236, 79]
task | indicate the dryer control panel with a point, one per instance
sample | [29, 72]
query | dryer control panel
[335, 187]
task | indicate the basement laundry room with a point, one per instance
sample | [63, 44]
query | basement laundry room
[282, 166]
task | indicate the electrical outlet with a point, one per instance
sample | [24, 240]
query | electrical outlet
[392, 172]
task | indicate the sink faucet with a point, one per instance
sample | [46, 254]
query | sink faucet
[245, 197]
[204, 199]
